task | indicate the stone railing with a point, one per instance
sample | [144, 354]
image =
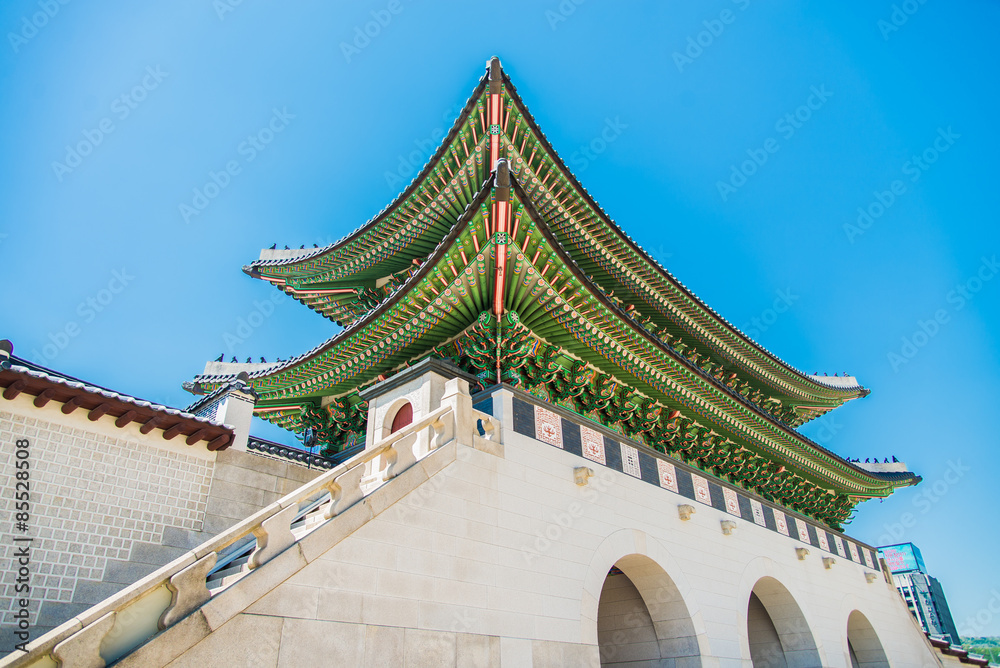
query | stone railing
[111, 629]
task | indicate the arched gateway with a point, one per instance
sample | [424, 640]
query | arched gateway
[642, 617]
[641, 613]
[863, 643]
[777, 631]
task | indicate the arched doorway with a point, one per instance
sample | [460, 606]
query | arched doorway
[641, 617]
[863, 644]
[777, 630]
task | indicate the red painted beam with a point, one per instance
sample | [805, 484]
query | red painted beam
[150, 424]
[71, 405]
[129, 416]
[173, 431]
[44, 397]
[14, 389]
[98, 412]
[197, 436]
[219, 442]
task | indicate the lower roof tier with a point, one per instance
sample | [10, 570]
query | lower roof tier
[560, 335]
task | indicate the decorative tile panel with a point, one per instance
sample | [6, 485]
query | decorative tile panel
[803, 530]
[758, 512]
[593, 445]
[824, 544]
[840, 546]
[779, 522]
[732, 501]
[668, 475]
[868, 559]
[548, 427]
[630, 461]
[701, 492]
[854, 552]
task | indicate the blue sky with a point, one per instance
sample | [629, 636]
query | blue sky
[858, 105]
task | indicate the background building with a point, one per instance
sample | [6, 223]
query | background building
[923, 593]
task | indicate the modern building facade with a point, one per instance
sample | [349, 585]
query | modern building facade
[923, 593]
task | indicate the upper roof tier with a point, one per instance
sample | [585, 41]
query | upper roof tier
[346, 279]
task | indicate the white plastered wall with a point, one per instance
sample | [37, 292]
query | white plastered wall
[500, 560]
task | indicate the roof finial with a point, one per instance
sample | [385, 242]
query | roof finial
[496, 78]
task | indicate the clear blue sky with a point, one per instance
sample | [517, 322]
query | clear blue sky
[198, 79]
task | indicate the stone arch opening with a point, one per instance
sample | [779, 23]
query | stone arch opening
[402, 417]
[777, 630]
[642, 619]
[863, 644]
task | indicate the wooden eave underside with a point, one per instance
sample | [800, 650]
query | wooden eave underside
[415, 319]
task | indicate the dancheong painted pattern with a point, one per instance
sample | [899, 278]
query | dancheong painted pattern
[497, 259]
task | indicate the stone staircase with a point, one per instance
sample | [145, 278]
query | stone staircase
[144, 558]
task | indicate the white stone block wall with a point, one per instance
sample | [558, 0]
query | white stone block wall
[501, 560]
[110, 505]
[95, 491]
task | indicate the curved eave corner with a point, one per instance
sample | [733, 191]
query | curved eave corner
[254, 268]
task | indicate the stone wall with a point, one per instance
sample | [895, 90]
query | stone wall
[245, 482]
[500, 557]
[110, 505]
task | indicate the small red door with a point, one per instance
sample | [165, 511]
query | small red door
[404, 416]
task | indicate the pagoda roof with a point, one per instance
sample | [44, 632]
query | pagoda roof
[448, 293]
[344, 279]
